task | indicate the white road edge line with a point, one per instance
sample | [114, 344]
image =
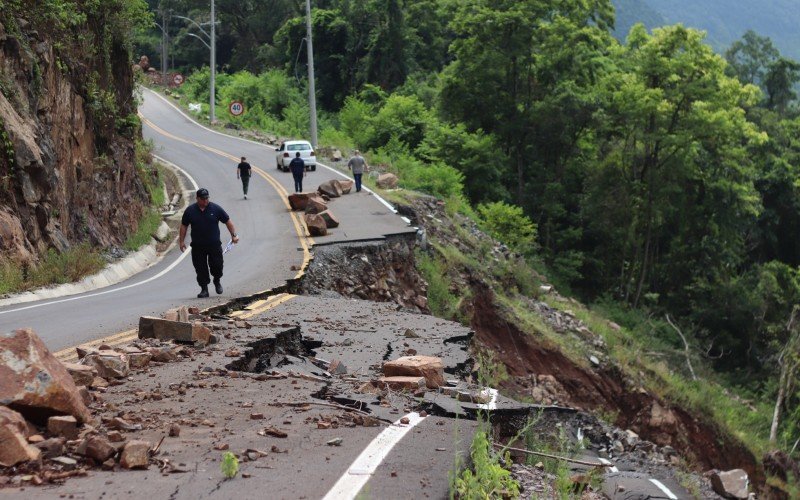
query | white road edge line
[148, 280]
[607, 462]
[179, 110]
[663, 488]
[361, 470]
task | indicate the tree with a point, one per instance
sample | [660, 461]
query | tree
[750, 57]
[782, 76]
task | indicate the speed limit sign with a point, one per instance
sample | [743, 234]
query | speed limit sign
[177, 79]
[236, 108]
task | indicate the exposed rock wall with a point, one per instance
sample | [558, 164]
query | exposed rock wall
[67, 154]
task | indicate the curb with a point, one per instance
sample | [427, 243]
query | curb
[116, 272]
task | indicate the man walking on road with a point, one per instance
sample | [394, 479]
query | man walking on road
[243, 171]
[298, 168]
[204, 217]
[358, 165]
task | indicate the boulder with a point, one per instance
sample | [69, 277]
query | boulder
[316, 225]
[109, 364]
[14, 419]
[15, 448]
[330, 220]
[135, 455]
[331, 188]
[730, 484]
[387, 181]
[63, 426]
[35, 383]
[417, 366]
[298, 201]
[316, 205]
[401, 383]
[81, 374]
[336, 155]
[347, 186]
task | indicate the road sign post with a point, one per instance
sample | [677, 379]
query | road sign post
[236, 108]
[177, 79]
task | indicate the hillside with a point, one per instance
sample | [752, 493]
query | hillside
[69, 127]
[724, 20]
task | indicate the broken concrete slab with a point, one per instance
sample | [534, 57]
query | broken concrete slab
[178, 331]
[401, 383]
[34, 382]
[429, 367]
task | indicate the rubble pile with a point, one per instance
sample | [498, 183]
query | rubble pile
[47, 428]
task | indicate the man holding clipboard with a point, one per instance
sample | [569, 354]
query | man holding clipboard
[204, 217]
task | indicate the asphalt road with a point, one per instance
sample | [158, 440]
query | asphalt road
[268, 249]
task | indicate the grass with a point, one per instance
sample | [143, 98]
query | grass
[487, 478]
[148, 225]
[53, 269]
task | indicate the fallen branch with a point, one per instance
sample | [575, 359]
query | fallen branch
[685, 346]
[555, 457]
[155, 449]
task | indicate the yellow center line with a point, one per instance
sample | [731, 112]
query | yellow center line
[258, 306]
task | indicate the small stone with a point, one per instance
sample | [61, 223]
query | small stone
[404, 421]
[174, 430]
[323, 425]
[246, 475]
[256, 416]
[97, 447]
[221, 447]
[410, 334]
[52, 447]
[135, 455]
[65, 461]
[115, 437]
[335, 442]
[65, 426]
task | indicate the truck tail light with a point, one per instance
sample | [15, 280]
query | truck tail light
[285, 155]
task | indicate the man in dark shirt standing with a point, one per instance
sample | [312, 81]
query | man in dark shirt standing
[298, 168]
[204, 217]
[243, 171]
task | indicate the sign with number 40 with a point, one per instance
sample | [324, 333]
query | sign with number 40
[236, 108]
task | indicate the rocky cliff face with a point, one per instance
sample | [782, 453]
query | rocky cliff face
[67, 129]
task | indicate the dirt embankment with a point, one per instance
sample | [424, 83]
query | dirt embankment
[604, 388]
[67, 128]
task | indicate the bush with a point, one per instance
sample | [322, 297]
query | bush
[402, 117]
[437, 179]
[489, 479]
[510, 225]
[354, 118]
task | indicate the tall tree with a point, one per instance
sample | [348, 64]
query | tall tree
[750, 57]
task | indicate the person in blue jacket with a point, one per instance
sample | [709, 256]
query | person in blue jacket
[298, 168]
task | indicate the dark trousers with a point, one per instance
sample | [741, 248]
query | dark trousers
[205, 257]
[298, 183]
[245, 184]
[357, 177]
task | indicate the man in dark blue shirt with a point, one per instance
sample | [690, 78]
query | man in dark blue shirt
[298, 168]
[204, 217]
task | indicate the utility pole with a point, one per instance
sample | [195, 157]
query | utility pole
[164, 42]
[212, 89]
[312, 97]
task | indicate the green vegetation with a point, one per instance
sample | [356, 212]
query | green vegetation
[487, 478]
[54, 268]
[649, 177]
[229, 465]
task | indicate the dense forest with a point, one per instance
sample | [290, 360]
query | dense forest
[661, 177]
